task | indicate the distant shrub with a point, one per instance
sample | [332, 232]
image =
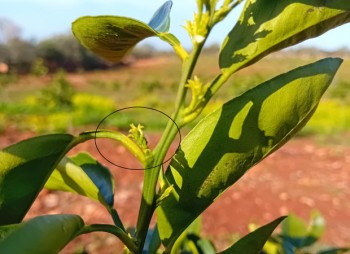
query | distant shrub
[59, 92]
[39, 68]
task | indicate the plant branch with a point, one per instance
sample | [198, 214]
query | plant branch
[214, 86]
[147, 206]
[118, 232]
[116, 219]
[123, 139]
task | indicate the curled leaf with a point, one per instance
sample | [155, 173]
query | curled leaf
[112, 37]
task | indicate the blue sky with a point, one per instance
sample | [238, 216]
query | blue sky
[40, 19]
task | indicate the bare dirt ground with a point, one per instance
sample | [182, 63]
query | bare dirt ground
[302, 176]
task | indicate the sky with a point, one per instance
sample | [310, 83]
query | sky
[40, 19]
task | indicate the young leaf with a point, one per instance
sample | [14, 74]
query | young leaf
[232, 139]
[161, 20]
[24, 169]
[112, 37]
[83, 175]
[254, 241]
[44, 234]
[266, 26]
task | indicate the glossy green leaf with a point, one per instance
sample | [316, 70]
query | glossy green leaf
[112, 37]
[266, 26]
[161, 20]
[42, 235]
[24, 169]
[83, 175]
[232, 139]
[254, 242]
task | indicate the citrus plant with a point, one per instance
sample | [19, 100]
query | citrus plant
[213, 155]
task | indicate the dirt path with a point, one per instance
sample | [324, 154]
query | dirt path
[300, 177]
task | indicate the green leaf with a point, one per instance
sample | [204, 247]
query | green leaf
[154, 243]
[6, 230]
[42, 235]
[204, 246]
[100, 175]
[295, 231]
[254, 242]
[161, 20]
[83, 175]
[112, 37]
[24, 169]
[232, 139]
[266, 26]
[293, 226]
[189, 238]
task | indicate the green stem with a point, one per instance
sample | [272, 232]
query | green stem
[123, 139]
[116, 219]
[147, 205]
[118, 232]
[217, 82]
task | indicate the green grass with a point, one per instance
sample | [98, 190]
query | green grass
[153, 83]
[330, 117]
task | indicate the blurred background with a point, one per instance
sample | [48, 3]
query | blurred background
[49, 83]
